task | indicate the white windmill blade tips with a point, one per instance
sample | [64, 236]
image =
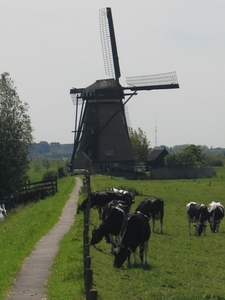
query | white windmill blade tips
[153, 80]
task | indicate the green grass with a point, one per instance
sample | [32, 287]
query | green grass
[36, 175]
[180, 266]
[22, 229]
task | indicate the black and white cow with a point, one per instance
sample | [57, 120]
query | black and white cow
[2, 212]
[101, 198]
[197, 213]
[114, 215]
[135, 233]
[153, 208]
[216, 214]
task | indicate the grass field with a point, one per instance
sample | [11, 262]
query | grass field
[180, 266]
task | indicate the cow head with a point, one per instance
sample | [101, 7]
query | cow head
[79, 208]
[96, 237]
[214, 225]
[199, 228]
[121, 254]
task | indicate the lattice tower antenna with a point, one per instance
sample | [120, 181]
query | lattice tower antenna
[155, 131]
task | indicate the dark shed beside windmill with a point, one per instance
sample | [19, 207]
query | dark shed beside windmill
[155, 159]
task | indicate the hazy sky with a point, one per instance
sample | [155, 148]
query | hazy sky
[51, 46]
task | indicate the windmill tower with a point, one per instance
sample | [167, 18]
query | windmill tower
[101, 137]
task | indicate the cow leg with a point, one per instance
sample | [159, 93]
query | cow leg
[153, 225]
[146, 253]
[112, 243]
[217, 227]
[204, 228]
[161, 225]
[141, 253]
[108, 238]
[118, 239]
[135, 257]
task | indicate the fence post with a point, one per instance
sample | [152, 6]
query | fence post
[93, 294]
[56, 185]
[88, 280]
[53, 188]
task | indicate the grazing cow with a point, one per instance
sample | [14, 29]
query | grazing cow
[2, 212]
[114, 215]
[198, 213]
[153, 208]
[216, 214]
[135, 233]
[101, 198]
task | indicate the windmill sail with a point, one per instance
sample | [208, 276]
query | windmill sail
[108, 40]
[153, 82]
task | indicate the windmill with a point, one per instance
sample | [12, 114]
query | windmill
[101, 136]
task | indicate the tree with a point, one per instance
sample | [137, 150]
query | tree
[191, 157]
[15, 137]
[46, 163]
[140, 144]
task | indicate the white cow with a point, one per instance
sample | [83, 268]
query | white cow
[216, 214]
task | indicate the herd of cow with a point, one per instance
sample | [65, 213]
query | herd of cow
[126, 231]
[199, 214]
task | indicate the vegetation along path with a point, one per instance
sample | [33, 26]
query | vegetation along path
[30, 283]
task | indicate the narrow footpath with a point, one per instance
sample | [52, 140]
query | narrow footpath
[31, 280]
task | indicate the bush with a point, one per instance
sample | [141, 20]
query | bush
[61, 172]
[50, 175]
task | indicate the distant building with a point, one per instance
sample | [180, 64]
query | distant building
[155, 159]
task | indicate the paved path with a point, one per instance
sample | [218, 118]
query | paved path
[30, 283]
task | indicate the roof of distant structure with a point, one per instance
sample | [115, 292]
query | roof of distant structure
[155, 153]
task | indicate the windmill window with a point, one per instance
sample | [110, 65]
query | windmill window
[89, 153]
[109, 152]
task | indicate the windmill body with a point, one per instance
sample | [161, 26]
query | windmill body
[101, 137]
[105, 139]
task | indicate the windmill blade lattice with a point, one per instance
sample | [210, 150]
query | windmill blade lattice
[108, 41]
[150, 82]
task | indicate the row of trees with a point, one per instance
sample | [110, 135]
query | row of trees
[15, 137]
[192, 156]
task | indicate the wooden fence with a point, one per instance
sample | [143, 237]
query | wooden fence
[91, 294]
[37, 190]
[31, 192]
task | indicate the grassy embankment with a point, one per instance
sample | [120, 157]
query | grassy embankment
[25, 225]
[180, 266]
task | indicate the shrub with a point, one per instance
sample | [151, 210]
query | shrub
[61, 172]
[50, 175]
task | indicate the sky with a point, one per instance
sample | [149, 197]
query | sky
[49, 46]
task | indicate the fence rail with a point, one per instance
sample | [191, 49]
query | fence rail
[36, 190]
